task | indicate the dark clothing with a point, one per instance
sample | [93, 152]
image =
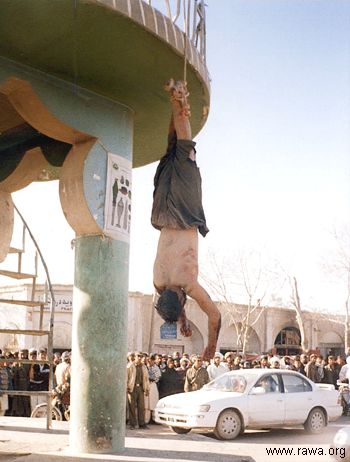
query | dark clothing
[136, 401]
[21, 404]
[312, 373]
[139, 380]
[331, 374]
[182, 374]
[39, 377]
[170, 383]
[177, 197]
[300, 369]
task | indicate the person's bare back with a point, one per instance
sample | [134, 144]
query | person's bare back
[178, 213]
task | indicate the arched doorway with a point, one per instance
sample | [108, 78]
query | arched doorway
[331, 342]
[288, 341]
[229, 340]
[178, 342]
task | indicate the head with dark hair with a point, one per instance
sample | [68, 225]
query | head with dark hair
[170, 305]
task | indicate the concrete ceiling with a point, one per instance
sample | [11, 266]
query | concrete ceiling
[101, 49]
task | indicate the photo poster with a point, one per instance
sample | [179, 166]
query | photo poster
[118, 198]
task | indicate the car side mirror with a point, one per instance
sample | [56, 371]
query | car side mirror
[258, 391]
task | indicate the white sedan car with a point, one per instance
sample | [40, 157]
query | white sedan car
[251, 398]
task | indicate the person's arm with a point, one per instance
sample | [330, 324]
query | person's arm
[206, 304]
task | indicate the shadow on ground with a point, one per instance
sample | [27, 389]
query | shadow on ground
[130, 454]
[28, 429]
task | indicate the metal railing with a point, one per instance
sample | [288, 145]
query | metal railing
[189, 16]
[49, 331]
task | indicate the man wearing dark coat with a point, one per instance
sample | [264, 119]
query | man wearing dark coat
[21, 404]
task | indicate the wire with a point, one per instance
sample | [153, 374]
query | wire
[185, 39]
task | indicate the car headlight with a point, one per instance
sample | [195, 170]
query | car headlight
[204, 408]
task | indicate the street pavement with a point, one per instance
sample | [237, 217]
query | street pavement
[27, 440]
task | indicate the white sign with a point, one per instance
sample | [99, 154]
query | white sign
[118, 198]
[63, 303]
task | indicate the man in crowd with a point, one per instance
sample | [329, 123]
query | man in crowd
[264, 362]
[39, 376]
[4, 385]
[237, 363]
[137, 387]
[182, 370]
[304, 359]
[311, 369]
[154, 375]
[60, 372]
[216, 368]
[297, 366]
[21, 404]
[196, 376]
[228, 360]
[331, 371]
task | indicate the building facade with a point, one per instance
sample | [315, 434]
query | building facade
[275, 329]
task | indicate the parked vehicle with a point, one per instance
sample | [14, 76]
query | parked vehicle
[251, 398]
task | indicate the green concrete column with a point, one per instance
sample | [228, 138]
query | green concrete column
[94, 126]
[99, 345]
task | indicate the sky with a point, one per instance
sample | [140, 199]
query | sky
[274, 154]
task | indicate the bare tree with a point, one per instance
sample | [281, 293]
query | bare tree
[241, 277]
[295, 301]
[337, 267]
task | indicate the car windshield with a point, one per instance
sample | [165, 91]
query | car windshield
[233, 383]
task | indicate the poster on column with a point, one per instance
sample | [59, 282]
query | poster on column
[118, 198]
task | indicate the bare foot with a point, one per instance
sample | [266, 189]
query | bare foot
[179, 93]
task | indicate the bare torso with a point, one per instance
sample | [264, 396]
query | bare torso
[176, 262]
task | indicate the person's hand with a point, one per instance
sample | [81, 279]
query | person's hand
[146, 393]
[185, 329]
[208, 353]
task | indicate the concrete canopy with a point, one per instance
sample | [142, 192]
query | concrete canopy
[123, 51]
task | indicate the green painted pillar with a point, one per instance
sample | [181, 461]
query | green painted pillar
[99, 345]
[100, 298]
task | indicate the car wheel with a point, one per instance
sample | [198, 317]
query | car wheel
[180, 430]
[316, 421]
[228, 425]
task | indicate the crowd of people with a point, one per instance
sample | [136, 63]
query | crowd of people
[153, 376]
[23, 376]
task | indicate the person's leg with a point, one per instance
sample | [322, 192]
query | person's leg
[132, 409]
[140, 407]
[26, 405]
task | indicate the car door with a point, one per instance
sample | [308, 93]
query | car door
[266, 402]
[298, 398]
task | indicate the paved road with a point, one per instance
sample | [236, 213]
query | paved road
[256, 443]
[26, 440]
